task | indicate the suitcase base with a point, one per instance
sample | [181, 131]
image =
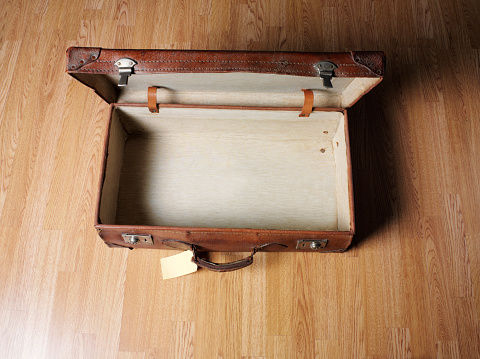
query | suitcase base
[227, 179]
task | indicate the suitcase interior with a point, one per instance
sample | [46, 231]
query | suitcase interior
[260, 166]
[226, 168]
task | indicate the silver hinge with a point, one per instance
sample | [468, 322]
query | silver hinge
[325, 71]
[311, 243]
[125, 69]
[137, 238]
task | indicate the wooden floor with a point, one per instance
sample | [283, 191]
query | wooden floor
[408, 288]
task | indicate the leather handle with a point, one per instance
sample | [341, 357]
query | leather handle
[223, 267]
[227, 267]
[217, 267]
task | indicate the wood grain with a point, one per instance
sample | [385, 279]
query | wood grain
[408, 288]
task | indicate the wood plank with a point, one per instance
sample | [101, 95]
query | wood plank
[419, 314]
[279, 347]
[326, 349]
[473, 250]
[254, 308]
[448, 349]
[399, 343]
[303, 325]
[351, 311]
[184, 340]
[468, 329]
[279, 284]
[439, 282]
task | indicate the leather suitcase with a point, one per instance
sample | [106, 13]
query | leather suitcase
[226, 151]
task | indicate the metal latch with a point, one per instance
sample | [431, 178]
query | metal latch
[137, 238]
[125, 68]
[325, 71]
[311, 243]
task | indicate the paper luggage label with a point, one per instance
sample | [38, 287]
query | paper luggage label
[178, 265]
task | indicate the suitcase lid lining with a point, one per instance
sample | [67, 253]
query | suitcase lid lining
[231, 89]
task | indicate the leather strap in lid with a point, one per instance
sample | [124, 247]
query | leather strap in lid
[152, 99]
[308, 104]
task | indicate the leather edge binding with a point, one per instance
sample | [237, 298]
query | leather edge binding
[77, 57]
[372, 60]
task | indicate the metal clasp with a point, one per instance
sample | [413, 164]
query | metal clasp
[125, 69]
[137, 238]
[312, 244]
[325, 71]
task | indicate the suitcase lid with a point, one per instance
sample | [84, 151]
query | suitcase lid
[227, 78]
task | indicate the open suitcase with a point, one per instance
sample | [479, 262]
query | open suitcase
[226, 151]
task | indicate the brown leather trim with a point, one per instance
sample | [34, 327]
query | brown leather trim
[81, 56]
[227, 107]
[229, 231]
[372, 60]
[152, 99]
[103, 169]
[307, 104]
[349, 171]
[225, 240]
[192, 61]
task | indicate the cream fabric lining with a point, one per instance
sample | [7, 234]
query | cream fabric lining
[227, 169]
[241, 89]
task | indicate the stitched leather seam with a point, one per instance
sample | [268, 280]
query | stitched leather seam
[262, 234]
[354, 73]
[228, 61]
[239, 233]
[227, 68]
[214, 68]
[223, 61]
[95, 70]
[286, 234]
[193, 68]
[234, 61]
